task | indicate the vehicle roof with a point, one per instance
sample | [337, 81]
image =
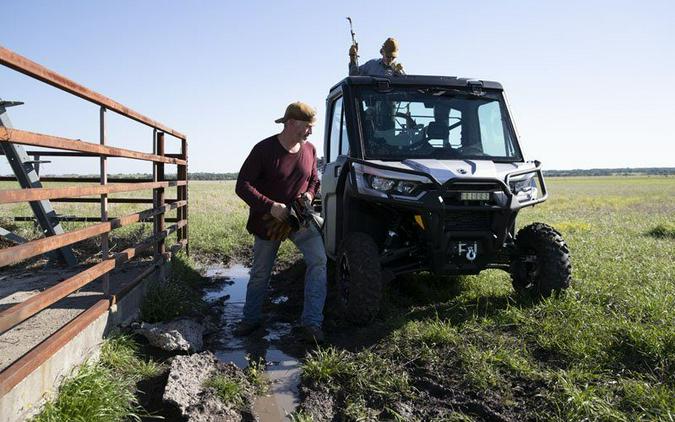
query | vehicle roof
[417, 80]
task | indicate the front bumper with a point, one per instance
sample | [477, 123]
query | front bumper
[458, 237]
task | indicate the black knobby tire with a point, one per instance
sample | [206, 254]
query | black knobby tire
[542, 264]
[359, 278]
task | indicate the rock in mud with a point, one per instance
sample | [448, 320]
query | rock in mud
[318, 404]
[178, 335]
[211, 409]
[186, 391]
[187, 376]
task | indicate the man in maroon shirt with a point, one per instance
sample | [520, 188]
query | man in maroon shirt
[278, 171]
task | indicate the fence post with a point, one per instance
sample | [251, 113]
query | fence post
[105, 249]
[183, 195]
[159, 220]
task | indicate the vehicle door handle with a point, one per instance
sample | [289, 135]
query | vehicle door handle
[336, 171]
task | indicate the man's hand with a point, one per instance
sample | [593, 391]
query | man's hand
[353, 52]
[279, 211]
[276, 229]
[307, 197]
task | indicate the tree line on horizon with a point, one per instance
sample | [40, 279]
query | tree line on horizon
[627, 171]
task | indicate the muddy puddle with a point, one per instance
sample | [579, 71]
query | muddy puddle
[283, 371]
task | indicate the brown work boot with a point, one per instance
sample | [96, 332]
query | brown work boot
[245, 328]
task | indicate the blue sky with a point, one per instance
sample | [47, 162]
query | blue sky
[591, 84]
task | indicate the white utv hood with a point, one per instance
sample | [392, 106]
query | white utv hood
[445, 170]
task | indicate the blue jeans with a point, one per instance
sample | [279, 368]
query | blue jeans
[309, 242]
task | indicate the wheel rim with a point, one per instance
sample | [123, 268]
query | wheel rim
[343, 285]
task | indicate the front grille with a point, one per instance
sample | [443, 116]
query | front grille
[452, 186]
[454, 199]
[467, 220]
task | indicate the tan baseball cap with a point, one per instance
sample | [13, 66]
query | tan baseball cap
[298, 111]
[390, 46]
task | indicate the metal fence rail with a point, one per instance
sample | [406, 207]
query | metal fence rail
[64, 147]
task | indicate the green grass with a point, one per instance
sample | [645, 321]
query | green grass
[364, 380]
[105, 390]
[217, 221]
[328, 365]
[94, 393]
[229, 390]
[121, 354]
[663, 230]
[300, 416]
[255, 373]
[603, 350]
[175, 297]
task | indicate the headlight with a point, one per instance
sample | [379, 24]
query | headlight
[383, 184]
[525, 188]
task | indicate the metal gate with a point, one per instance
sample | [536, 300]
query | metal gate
[63, 147]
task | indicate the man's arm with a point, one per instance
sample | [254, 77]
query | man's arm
[249, 173]
[398, 69]
[353, 57]
[354, 69]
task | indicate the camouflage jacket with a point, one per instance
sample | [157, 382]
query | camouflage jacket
[376, 67]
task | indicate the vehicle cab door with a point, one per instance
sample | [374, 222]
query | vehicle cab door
[336, 151]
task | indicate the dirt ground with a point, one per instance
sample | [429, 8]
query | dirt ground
[440, 393]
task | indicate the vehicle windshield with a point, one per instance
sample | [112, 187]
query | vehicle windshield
[436, 123]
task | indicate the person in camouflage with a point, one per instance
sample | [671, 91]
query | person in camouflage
[386, 66]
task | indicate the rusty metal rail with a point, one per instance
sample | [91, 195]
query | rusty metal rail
[16, 254]
[82, 179]
[26, 66]
[32, 360]
[8, 196]
[26, 309]
[64, 147]
[17, 136]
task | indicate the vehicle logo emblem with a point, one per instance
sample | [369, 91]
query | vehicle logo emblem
[461, 171]
[471, 250]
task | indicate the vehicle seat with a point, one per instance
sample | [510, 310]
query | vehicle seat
[438, 130]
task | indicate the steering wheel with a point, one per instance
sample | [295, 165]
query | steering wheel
[410, 123]
[422, 142]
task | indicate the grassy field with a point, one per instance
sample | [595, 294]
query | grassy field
[217, 220]
[604, 350]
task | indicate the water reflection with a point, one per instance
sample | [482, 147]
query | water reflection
[282, 369]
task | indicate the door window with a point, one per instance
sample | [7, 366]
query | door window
[335, 129]
[492, 131]
[344, 140]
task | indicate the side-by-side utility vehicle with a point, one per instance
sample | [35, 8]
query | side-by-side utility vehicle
[425, 173]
